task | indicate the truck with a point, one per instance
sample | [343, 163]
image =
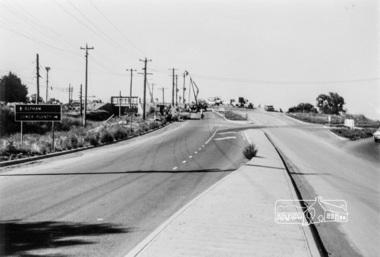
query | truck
[241, 103]
[269, 108]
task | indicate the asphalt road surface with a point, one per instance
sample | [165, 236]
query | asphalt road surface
[102, 202]
[332, 168]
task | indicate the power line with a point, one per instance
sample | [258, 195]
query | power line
[50, 47]
[282, 82]
[109, 21]
[38, 24]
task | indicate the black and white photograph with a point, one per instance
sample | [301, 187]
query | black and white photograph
[189, 128]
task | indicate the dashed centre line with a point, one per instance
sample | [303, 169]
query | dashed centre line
[195, 152]
[184, 162]
[190, 156]
[175, 168]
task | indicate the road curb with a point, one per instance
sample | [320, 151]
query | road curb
[313, 232]
[50, 155]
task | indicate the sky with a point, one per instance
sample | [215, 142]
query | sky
[270, 52]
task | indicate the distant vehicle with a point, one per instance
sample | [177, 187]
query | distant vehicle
[241, 103]
[269, 108]
[376, 136]
[211, 101]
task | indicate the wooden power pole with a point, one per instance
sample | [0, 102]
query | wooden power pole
[85, 90]
[145, 74]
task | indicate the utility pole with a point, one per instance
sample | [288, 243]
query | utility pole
[130, 94]
[85, 90]
[184, 88]
[47, 82]
[70, 94]
[173, 85]
[163, 94]
[38, 79]
[120, 104]
[176, 90]
[145, 74]
[80, 100]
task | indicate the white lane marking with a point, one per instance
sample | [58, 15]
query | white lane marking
[224, 138]
[190, 156]
[246, 138]
[100, 219]
[223, 133]
[195, 152]
[175, 168]
[199, 149]
[184, 162]
[203, 145]
[211, 137]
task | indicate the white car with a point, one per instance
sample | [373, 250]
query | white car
[376, 136]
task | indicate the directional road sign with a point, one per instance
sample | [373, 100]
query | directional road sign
[38, 112]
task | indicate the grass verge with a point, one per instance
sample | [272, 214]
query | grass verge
[72, 137]
[230, 115]
[354, 134]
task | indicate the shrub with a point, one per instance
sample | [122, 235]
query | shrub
[144, 127]
[153, 125]
[250, 151]
[73, 140]
[105, 136]
[92, 138]
[119, 133]
[354, 134]
[67, 123]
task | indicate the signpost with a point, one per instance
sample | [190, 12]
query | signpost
[38, 113]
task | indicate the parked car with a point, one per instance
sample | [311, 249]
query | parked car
[376, 136]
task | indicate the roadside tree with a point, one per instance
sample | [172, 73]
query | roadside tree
[331, 103]
[34, 97]
[303, 107]
[12, 90]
